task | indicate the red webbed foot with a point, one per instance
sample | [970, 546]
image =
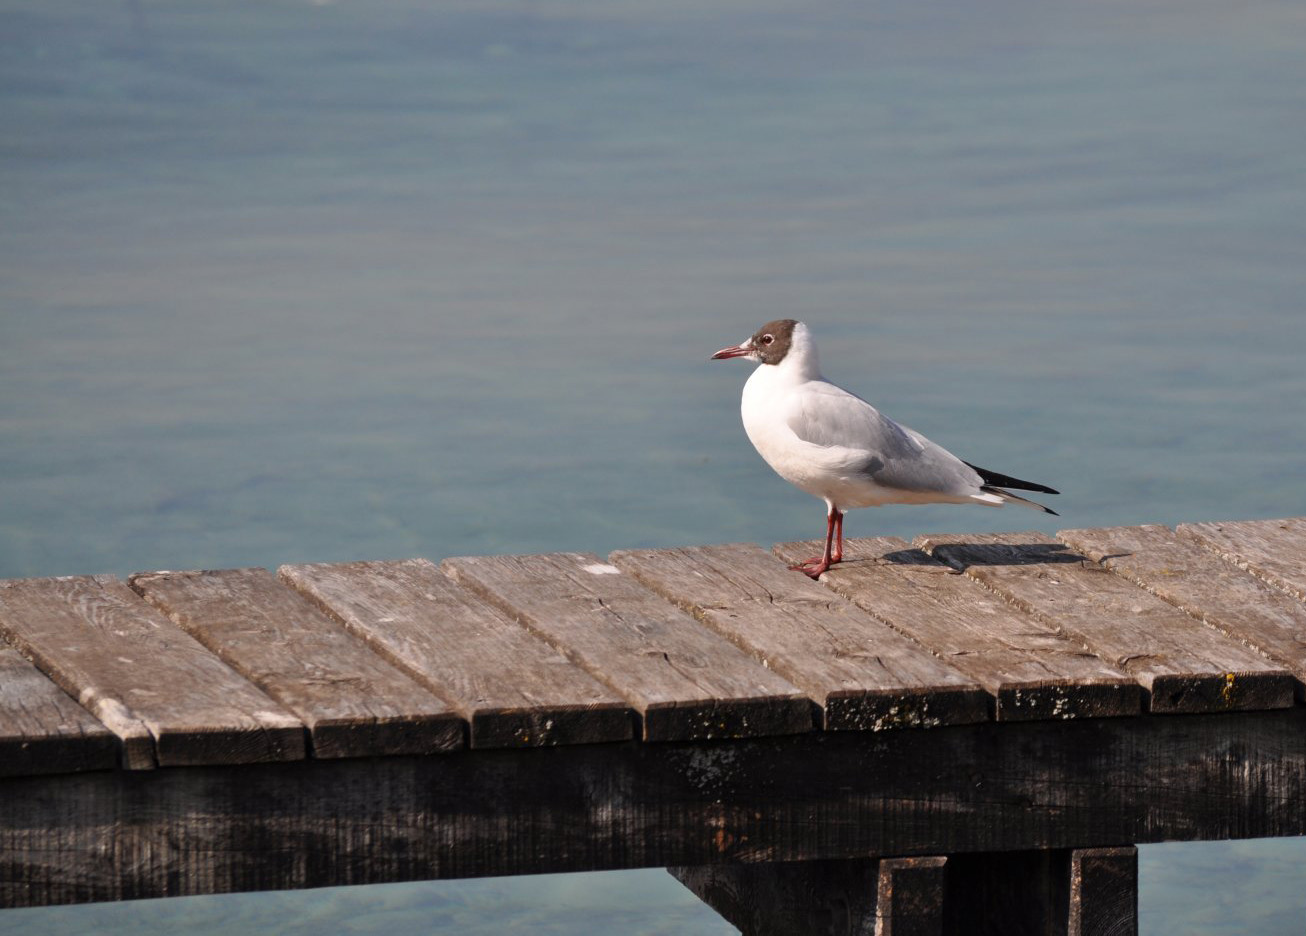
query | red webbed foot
[813, 567]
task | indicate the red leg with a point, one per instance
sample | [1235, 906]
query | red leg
[837, 555]
[817, 564]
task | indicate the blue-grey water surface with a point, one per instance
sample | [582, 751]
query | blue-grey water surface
[289, 281]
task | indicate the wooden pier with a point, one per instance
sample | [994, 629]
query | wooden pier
[966, 734]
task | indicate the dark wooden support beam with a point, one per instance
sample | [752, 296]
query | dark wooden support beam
[1104, 892]
[1052, 892]
[910, 897]
[1083, 783]
[1017, 893]
[789, 898]
[856, 897]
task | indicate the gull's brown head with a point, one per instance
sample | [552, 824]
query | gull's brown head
[768, 345]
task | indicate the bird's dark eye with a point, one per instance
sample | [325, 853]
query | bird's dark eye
[767, 339]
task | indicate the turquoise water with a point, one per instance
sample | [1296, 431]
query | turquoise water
[291, 281]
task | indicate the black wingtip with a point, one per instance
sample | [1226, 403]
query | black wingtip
[1001, 480]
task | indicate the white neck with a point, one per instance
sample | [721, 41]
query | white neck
[801, 362]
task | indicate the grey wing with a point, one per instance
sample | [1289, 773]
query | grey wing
[889, 453]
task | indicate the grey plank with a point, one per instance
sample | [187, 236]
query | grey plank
[1185, 665]
[1179, 570]
[42, 730]
[170, 700]
[353, 702]
[686, 681]
[514, 689]
[1032, 670]
[1272, 550]
[864, 675]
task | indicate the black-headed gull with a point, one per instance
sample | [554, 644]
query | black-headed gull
[838, 447]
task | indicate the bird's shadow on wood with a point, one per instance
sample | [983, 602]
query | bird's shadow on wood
[909, 557]
[964, 555]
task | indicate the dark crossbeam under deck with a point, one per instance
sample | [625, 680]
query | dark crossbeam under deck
[823, 795]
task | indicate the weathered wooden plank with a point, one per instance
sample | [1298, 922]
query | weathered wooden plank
[513, 689]
[1273, 550]
[1032, 670]
[1103, 892]
[42, 730]
[353, 702]
[910, 896]
[1093, 782]
[686, 681]
[1196, 580]
[864, 675]
[168, 698]
[789, 898]
[1185, 665]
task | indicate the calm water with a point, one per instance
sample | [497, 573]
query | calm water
[292, 281]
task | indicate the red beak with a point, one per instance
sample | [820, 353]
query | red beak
[736, 351]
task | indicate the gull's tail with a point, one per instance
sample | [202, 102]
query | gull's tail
[1017, 499]
[995, 482]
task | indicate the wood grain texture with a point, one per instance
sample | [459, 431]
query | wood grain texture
[1185, 666]
[42, 730]
[910, 896]
[1196, 580]
[1272, 550]
[1103, 892]
[513, 689]
[353, 702]
[1031, 670]
[789, 898]
[864, 675]
[1092, 782]
[685, 681]
[170, 700]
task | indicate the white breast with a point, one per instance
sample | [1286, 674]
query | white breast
[827, 472]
